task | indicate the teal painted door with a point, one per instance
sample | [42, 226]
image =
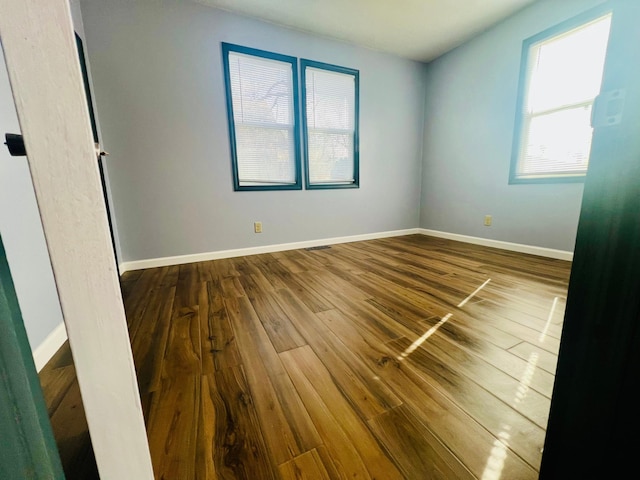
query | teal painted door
[27, 447]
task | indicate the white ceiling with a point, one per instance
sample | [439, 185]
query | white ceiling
[416, 29]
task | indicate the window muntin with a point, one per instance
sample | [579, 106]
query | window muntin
[330, 121]
[262, 107]
[562, 78]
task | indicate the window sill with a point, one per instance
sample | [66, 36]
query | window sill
[547, 180]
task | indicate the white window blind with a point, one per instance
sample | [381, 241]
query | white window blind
[330, 99]
[263, 118]
[564, 76]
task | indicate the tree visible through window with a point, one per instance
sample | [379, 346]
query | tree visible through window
[562, 76]
[330, 106]
[261, 97]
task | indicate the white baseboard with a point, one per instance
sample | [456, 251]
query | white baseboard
[48, 348]
[240, 252]
[514, 247]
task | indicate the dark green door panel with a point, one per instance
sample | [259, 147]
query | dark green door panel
[27, 447]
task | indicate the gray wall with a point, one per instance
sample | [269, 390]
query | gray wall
[159, 87]
[20, 224]
[78, 25]
[22, 234]
[470, 111]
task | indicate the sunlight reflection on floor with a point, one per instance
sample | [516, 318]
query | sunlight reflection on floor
[543, 335]
[495, 462]
[411, 348]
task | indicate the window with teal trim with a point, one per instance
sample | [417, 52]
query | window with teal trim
[561, 75]
[262, 106]
[330, 102]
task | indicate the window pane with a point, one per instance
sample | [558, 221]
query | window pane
[261, 90]
[263, 117]
[559, 142]
[331, 155]
[563, 77]
[265, 155]
[567, 69]
[330, 100]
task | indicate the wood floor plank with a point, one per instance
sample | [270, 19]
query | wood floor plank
[327, 280]
[188, 286]
[295, 283]
[377, 322]
[513, 391]
[313, 369]
[150, 343]
[494, 401]
[384, 292]
[510, 324]
[281, 331]
[136, 302]
[471, 330]
[290, 263]
[542, 358]
[307, 466]
[307, 262]
[206, 271]
[343, 433]
[217, 340]
[445, 418]
[56, 383]
[287, 427]
[230, 444]
[354, 379]
[231, 287]
[74, 445]
[172, 427]
[446, 294]
[418, 453]
[226, 268]
[169, 277]
[466, 338]
[517, 321]
[182, 354]
[128, 281]
[264, 264]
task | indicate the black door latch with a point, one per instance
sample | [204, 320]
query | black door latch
[15, 144]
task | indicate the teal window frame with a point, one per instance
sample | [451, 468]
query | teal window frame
[304, 63]
[519, 133]
[228, 48]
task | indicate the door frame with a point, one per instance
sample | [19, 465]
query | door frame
[594, 418]
[46, 81]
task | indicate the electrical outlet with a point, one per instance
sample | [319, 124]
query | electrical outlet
[487, 220]
[257, 227]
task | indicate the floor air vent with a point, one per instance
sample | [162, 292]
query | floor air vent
[321, 247]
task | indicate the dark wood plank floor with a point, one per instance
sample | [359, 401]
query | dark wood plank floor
[411, 357]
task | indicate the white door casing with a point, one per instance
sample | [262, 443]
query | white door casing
[39, 47]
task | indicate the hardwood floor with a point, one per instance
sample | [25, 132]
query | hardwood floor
[411, 357]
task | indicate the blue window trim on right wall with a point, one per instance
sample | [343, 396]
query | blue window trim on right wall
[556, 30]
[304, 63]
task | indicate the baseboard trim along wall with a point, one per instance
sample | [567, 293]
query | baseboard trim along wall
[513, 247]
[201, 257]
[48, 348]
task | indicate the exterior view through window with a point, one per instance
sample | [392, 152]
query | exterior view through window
[262, 109]
[562, 75]
[330, 104]
[261, 101]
